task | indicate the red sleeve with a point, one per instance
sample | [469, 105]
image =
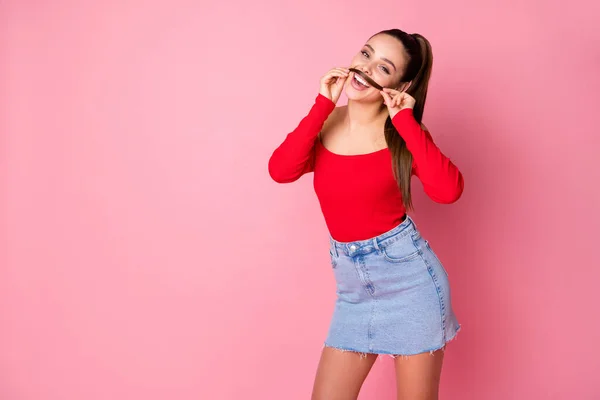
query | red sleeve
[295, 156]
[442, 181]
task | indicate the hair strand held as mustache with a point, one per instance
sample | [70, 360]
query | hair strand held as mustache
[367, 78]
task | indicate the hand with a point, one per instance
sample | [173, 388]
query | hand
[332, 83]
[397, 101]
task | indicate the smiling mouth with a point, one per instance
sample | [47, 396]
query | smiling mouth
[366, 78]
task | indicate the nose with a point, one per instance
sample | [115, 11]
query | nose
[366, 69]
[363, 69]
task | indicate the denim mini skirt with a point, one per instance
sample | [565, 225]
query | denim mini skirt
[393, 295]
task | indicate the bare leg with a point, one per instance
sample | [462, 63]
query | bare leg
[340, 374]
[418, 376]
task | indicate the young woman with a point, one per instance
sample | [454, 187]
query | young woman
[393, 294]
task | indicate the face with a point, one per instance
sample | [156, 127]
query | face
[383, 59]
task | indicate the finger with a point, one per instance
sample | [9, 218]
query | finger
[333, 77]
[386, 98]
[334, 70]
[340, 70]
[401, 99]
[393, 99]
[340, 82]
[337, 74]
[394, 96]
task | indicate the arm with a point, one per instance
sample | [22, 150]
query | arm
[295, 156]
[442, 181]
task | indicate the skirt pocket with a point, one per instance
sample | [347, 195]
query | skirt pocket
[401, 251]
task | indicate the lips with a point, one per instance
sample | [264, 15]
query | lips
[366, 78]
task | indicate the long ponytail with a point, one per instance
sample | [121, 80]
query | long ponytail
[418, 71]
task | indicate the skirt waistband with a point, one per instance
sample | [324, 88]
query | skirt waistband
[405, 228]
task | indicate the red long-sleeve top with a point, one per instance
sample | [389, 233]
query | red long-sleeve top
[358, 194]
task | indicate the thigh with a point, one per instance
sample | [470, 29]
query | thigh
[418, 376]
[340, 374]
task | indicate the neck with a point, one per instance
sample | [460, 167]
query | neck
[361, 115]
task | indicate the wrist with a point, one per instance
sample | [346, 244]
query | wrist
[324, 99]
[403, 113]
[396, 111]
[324, 104]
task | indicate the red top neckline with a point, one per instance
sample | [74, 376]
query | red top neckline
[384, 150]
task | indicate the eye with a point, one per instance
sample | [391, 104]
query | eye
[364, 53]
[384, 69]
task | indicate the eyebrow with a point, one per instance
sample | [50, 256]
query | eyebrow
[383, 58]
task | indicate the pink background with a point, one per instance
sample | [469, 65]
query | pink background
[147, 255]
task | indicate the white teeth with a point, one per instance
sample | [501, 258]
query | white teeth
[361, 80]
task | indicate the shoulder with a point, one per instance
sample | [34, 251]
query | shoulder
[333, 120]
[427, 131]
[335, 117]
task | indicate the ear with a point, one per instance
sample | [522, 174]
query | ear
[404, 86]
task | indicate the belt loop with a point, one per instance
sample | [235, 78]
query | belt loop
[333, 247]
[375, 244]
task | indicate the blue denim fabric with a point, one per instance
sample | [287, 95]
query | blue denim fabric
[393, 295]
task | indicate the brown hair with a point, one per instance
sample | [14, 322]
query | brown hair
[418, 70]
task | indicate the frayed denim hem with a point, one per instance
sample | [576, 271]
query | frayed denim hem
[363, 354]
